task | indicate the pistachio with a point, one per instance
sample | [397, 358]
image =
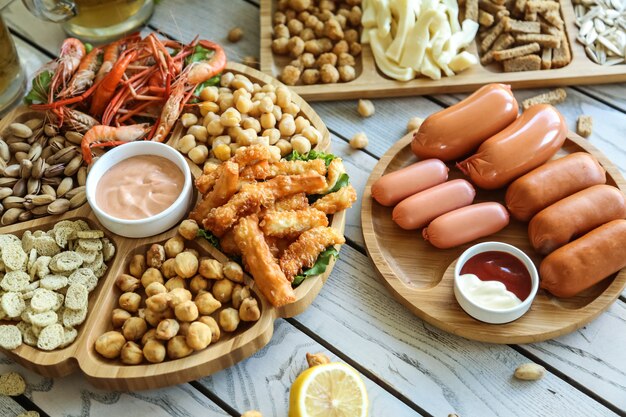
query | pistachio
[1, 209]
[40, 211]
[5, 153]
[57, 143]
[74, 137]
[34, 124]
[20, 130]
[10, 216]
[19, 147]
[33, 186]
[48, 190]
[3, 165]
[39, 200]
[35, 151]
[38, 168]
[5, 192]
[12, 171]
[54, 181]
[59, 206]
[50, 130]
[19, 189]
[47, 152]
[81, 176]
[7, 182]
[28, 205]
[78, 200]
[73, 166]
[13, 202]
[27, 215]
[73, 192]
[20, 155]
[26, 167]
[63, 156]
[66, 185]
[54, 170]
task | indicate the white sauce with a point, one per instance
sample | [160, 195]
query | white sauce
[487, 294]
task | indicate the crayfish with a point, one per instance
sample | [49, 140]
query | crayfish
[127, 90]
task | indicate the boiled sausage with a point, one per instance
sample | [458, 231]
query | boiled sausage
[575, 215]
[396, 186]
[525, 144]
[458, 130]
[466, 224]
[551, 182]
[586, 261]
[419, 209]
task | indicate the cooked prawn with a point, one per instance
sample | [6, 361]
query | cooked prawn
[72, 52]
[84, 76]
[100, 135]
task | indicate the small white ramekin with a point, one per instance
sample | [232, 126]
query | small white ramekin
[152, 225]
[491, 315]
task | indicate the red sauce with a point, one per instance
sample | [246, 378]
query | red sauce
[503, 267]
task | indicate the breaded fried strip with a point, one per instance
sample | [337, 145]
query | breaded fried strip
[225, 187]
[228, 244]
[292, 202]
[263, 170]
[245, 202]
[337, 201]
[249, 155]
[278, 245]
[262, 265]
[205, 182]
[286, 185]
[259, 171]
[335, 169]
[292, 222]
[304, 251]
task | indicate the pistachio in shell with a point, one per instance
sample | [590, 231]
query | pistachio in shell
[74, 137]
[63, 156]
[33, 186]
[19, 147]
[66, 185]
[59, 206]
[54, 181]
[5, 192]
[10, 216]
[34, 123]
[47, 152]
[54, 170]
[57, 143]
[5, 153]
[13, 202]
[25, 216]
[78, 200]
[35, 151]
[81, 176]
[12, 171]
[20, 187]
[73, 166]
[50, 130]
[19, 156]
[38, 168]
[20, 130]
[7, 182]
[26, 166]
[71, 193]
[39, 211]
[48, 190]
[40, 199]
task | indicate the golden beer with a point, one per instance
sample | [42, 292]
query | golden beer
[11, 75]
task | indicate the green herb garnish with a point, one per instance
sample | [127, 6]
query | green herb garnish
[199, 54]
[215, 80]
[213, 240]
[309, 156]
[323, 260]
[88, 47]
[39, 91]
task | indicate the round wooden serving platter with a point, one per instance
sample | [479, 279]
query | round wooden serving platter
[230, 349]
[420, 276]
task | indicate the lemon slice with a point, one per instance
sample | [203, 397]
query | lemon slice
[329, 390]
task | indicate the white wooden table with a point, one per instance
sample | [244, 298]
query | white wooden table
[410, 367]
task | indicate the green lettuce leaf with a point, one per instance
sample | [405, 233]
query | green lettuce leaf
[309, 156]
[208, 83]
[88, 47]
[199, 54]
[213, 240]
[323, 260]
[39, 91]
[343, 181]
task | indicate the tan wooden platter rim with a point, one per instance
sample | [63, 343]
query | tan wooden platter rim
[370, 82]
[230, 349]
[420, 276]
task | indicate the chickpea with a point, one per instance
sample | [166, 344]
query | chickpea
[333, 29]
[177, 348]
[141, 313]
[155, 288]
[155, 256]
[222, 152]
[246, 137]
[414, 123]
[131, 354]
[209, 94]
[324, 14]
[186, 143]
[299, 5]
[235, 34]
[230, 117]
[365, 108]
[149, 335]
[183, 328]
[167, 269]
[260, 140]
[329, 74]
[198, 336]
[326, 58]
[301, 144]
[178, 295]
[229, 319]
[119, 316]
[295, 27]
[241, 81]
[193, 252]
[186, 264]
[215, 127]
[167, 329]
[226, 102]
[151, 275]
[176, 282]
[312, 134]
[208, 118]
[110, 344]
[198, 283]
[359, 141]
[215, 329]
[199, 133]
[134, 328]
[345, 59]
[310, 76]
[249, 310]
[239, 294]
[186, 311]
[154, 351]
[207, 107]
[188, 119]
[244, 104]
[210, 165]
[211, 268]
[225, 139]
[281, 31]
[311, 21]
[154, 318]
[307, 34]
[355, 16]
[251, 123]
[127, 283]
[287, 126]
[130, 301]
[268, 120]
[137, 265]
[283, 96]
[158, 302]
[232, 271]
[273, 134]
[279, 46]
[277, 112]
[223, 290]
[285, 147]
[295, 47]
[355, 49]
[188, 229]
[308, 60]
[340, 47]
[351, 36]
[290, 75]
[319, 29]
[293, 109]
[313, 46]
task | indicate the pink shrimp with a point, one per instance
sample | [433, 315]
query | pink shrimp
[84, 76]
[200, 72]
[72, 52]
[99, 136]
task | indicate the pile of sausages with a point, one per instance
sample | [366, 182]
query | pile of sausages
[565, 198]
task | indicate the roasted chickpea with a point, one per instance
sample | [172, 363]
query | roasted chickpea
[149, 335]
[137, 265]
[176, 282]
[289, 76]
[319, 29]
[211, 268]
[281, 31]
[229, 319]
[232, 271]
[154, 351]
[326, 58]
[239, 294]
[310, 76]
[355, 49]
[158, 302]
[167, 329]
[186, 143]
[307, 34]
[311, 21]
[151, 275]
[177, 348]
[365, 108]
[215, 329]
[249, 310]
[285, 147]
[329, 74]
[130, 301]
[188, 229]
[198, 336]
[279, 46]
[186, 264]
[313, 46]
[342, 20]
[167, 269]
[183, 328]
[333, 29]
[154, 318]
[173, 246]
[295, 46]
[155, 256]
[223, 290]
[341, 47]
[345, 59]
[131, 354]
[110, 344]
[301, 144]
[235, 34]
[206, 303]
[127, 283]
[178, 295]
[119, 316]
[198, 283]
[186, 311]
[351, 36]
[312, 134]
[193, 252]
[355, 16]
[295, 27]
[134, 328]
[299, 5]
[359, 141]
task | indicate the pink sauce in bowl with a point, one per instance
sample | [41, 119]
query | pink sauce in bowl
[139, 187]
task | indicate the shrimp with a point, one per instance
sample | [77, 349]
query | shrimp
[171, 111]
[84, 76]
[77, 120]
[108, 85]
[100, 135]
[72, 52]
[203, 70]
[110, 57]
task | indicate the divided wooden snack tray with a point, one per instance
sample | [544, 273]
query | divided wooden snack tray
[421, 276]
[230, 349]
[370, 82]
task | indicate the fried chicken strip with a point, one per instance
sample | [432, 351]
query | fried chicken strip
[337, 201]
[292, 202]
[205, 182]
[247, 201]
[292, 222]
[261, 264]
[249, 155]
[263, 170]
[304, 251]
[286, 185]
[225, 187]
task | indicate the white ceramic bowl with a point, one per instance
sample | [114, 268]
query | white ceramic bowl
[491, 315]
[152, 225]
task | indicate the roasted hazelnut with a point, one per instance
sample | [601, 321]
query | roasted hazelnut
[178, 295]
[158, 302]
[151, 275]
[239, 294]
[110, 344]
[186, 311]
[198, 283]
[186, 264]
[167, 329]
[229, 319]
[232, 271]
[168, 268]
[131, 354]
[223, 290]
[154, 351]
[134, 328]
[176, 282]
[155, 256]
[188, 229]
[198, 336]
[119, 316]
[211, 268]
[174, 246]
[177, 348]
[212, 323]
[149, 335]
[130, 301]
[137, 265]
[155, 288]
[249, 310]
[127, 283]
[206, 303]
